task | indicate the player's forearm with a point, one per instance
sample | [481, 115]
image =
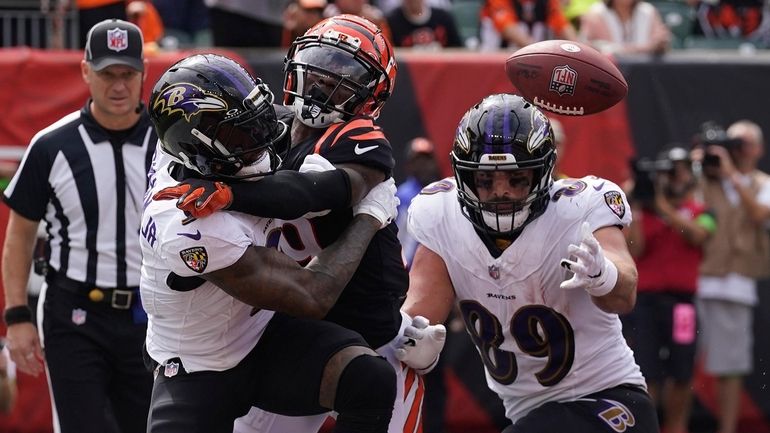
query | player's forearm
[290, 194]
[622, 298]
[335, 265]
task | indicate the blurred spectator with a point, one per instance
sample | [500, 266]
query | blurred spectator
[7, 380]
[421, 169]
[299, 17]
[416, 24]
[186, 22]
[665, 238]
[361, 8]
[517, 23]
[625, 26]
[246, 23]
[387, 6]
[146, 17]
[91, 12]
[735, 257]
[729, 18]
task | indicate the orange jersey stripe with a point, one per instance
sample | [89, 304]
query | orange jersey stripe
[410, 377]
[371, 135]
[413, 422]
[329, 131]
[353, 124]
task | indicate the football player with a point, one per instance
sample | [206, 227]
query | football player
[337, 78]
[216, 356]
[539, 270]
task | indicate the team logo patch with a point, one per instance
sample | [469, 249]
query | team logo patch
[539, 133]
[615, 202]
[436, 187]
[171, 369]
[494, 272]
[187, 99]
[617, 416]
[196, 258]
[563, 80]
[78, 316]
[117, 39]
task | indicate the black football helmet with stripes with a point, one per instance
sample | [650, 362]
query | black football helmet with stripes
[503, 132]
[340, 68]
[213, 117]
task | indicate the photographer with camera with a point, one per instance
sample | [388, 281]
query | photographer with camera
[735, 257]
[665, 239]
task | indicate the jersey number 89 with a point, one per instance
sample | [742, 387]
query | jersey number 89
[539, 331]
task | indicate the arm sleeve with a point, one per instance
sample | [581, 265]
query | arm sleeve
[290, 194]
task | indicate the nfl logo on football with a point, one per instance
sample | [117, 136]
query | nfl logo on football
[563, 80]
[117, 39]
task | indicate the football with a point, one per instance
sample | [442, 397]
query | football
[566, 77]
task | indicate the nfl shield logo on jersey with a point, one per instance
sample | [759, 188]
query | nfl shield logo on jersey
[494, 272]
[78, 316]
[196, 258]
[117, 39]
[171, 369]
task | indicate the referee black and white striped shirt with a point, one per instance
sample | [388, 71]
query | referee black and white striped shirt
[88, 184]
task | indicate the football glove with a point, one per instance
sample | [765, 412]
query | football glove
[420, 345]
[199, 198]
[592, 271]
[315, 163]
[381, 203]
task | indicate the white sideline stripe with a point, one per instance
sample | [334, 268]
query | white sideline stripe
[12, 152]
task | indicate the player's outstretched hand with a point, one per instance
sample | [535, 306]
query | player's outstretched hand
[592, 271]
[381, 203]
[420, 345]
[315, 163]
[198, 197]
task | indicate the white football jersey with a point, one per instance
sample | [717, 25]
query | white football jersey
[538, 343]
[205, 327]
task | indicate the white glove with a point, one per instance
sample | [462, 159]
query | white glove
[420, 345]
[592, 271]
[381, 203]
[315, 163]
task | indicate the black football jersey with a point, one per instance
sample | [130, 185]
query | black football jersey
[371, 301]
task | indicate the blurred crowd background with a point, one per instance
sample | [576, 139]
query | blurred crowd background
[687, 62]
[479, 25]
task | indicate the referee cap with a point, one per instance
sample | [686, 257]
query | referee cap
[115, 42]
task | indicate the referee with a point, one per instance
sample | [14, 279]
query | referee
[85, 175]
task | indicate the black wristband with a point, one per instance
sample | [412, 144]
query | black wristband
[17, 314]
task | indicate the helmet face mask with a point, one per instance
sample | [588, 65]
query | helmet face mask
[507, 137]
[340, 68]
[213, 117]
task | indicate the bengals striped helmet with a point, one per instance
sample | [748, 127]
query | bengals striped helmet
[340, 68]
